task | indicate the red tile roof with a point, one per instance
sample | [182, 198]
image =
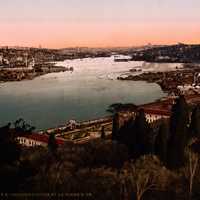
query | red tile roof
[43, 138]
[157, 112]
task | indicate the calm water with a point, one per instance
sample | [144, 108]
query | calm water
[51, 100]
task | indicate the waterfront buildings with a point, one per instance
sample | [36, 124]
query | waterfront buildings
[35, 139]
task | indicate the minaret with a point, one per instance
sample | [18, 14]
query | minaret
[26, 59]
[195, 78]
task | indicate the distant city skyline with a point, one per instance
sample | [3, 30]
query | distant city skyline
[94, 23]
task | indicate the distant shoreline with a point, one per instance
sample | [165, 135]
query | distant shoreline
[21, 74]
[168, 80]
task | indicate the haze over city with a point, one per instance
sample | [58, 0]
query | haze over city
[94, 23]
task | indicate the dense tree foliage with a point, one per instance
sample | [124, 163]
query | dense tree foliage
[136, 135]
[115, 127]
[179, 135]
[119, 107]
[168, 141]
[9, 159]
[52, 144]
[142, 130]
[195, 122]
[103, 136]
[9, 148]
[22, 126]
[161, 142]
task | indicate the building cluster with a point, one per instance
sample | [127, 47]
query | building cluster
[18, 64]
[193, 88]
[17, 61]
[27, 57]
[157, 111]
[71, 132]
[181, 53]
[154, 112]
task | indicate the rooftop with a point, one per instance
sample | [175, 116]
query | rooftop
[43, 138]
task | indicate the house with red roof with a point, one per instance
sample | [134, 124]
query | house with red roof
[36, 139]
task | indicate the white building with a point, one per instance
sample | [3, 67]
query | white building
[72, 124]
[31, 64]
[153, 115]
[31, 142]
[20, 59]
[6, 61]
[36, 139]
[1, 59]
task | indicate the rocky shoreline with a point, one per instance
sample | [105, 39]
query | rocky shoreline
[169, 80]
[19, 74]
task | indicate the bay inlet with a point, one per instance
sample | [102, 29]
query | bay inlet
[53, 99]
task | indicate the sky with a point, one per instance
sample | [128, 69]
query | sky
[98, 23]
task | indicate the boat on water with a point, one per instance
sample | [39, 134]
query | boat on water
[71, 69]
[122, 58]
[110, 77]
[137, 69]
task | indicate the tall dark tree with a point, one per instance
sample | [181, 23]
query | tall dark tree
[142, 129]
[161, 141]
[115, 126]
[178, 139]
[195, 122]
[52, 143]
[21, 126]
[103, 136]
[10, 152]
[126, 135]
[9, 147]
[136, 135]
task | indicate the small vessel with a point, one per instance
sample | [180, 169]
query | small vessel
[121, 58]
[71, 69]
[135, 70]
[110, 77]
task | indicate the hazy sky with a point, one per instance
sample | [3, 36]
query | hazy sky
[63, 23]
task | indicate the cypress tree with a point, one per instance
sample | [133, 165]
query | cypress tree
[52, 144]
[9, 148]
[115, 128]
[195, 122]
[142, 129]
[10, 152]
[126, 135]
[178, 133]
[103, 136]
[161, 141]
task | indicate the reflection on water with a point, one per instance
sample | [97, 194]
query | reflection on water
[86, 93]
